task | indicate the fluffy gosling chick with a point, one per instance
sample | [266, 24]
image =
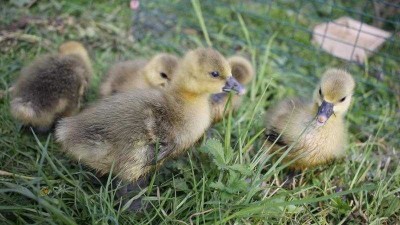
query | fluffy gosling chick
[140, 74]
[52, 86]
[124, 130]
[243, 71]
[316, 128]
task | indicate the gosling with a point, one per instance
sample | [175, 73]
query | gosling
[140, 74]
[135, 132]
[52, 87]
[243, 71]
[315, 129]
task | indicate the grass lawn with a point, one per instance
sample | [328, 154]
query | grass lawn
[227, 178]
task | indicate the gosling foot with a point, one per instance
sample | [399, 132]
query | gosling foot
[126, 191]
[42, 130]
[291, 179]
[37, 130]
[98, 179]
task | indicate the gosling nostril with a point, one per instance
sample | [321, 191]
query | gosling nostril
[321, 119]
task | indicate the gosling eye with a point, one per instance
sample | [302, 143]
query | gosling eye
[320, 92]
[342, 100]
[214, 74]
[163, 75]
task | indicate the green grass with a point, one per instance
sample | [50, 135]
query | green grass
[228, 178]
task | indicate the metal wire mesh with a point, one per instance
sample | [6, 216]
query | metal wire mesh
[292, 21]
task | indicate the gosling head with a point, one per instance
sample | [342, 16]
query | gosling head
[242, 69]
[76, 48]
[160, 70]
[333, 94]
[206, 71]
[72, 47]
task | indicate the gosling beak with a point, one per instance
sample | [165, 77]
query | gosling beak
[233, 85]
[324, 112]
